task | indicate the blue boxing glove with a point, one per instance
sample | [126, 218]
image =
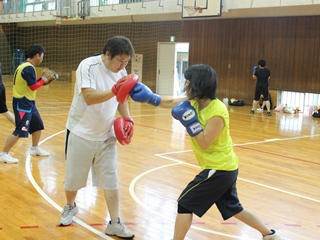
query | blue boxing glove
[254, 69]
[142, 93]
[187, 115]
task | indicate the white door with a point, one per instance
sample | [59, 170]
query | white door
[165, 68]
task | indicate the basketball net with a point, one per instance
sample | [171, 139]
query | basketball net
[192, 10]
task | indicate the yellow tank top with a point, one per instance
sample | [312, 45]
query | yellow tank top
[20, 85]
[220, 155]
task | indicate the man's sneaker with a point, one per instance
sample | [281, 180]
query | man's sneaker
[252, 111]
[38, 151]
[6, 158]
[67, 214]
[117, 228]
[272, 236]
[269, 113]
[259, 110]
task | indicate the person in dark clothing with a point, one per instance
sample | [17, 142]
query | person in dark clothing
[262, 75]
[3, 104]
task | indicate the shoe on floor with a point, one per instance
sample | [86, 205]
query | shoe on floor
[259, 110]
[38, 151]
[269, 113]
[252, 111]
[272, 236]
[117, 228]
[6, 158]
[67, 214]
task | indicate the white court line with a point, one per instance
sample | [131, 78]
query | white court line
[132, 184]
[134, 196]
[177, 162]
[242, 179]
[276, 140]
[49, 200]
[280, 190]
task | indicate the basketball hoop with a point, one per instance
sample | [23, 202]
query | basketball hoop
[59, 20]
[192, 10]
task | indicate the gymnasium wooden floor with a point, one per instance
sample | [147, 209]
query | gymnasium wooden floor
[279, 176]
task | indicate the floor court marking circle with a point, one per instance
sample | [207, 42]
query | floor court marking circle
[49, 200]
[135, 197]
[242, 179]
[178, 162]
[132, 184]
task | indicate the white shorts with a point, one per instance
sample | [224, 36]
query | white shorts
[100, 156]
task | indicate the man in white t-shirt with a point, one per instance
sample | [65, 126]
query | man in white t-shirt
[90, 140]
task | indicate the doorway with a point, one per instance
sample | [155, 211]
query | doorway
[172, 63]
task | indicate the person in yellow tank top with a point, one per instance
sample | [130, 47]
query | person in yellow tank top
[206, 120]
[27, 118]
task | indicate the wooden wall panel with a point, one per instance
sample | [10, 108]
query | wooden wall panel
[313, 53]
[300, 49]
[248, 51]
[288, 44]
[274, 63]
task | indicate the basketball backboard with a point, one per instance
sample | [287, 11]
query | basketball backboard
[201, 8]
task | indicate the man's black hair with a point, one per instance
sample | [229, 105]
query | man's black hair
[34, 50]
[119, 45]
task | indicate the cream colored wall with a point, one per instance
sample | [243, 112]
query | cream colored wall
[231, 4]
[169, 10]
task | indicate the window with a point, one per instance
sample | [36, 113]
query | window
[36, 5]
[297, 99]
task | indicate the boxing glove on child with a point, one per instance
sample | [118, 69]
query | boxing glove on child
[187, 115]
[142, 93]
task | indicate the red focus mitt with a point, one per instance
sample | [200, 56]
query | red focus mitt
[123, 129]
[124, 86]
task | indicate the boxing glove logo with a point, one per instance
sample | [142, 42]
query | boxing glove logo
[195, 128]
[187, 115]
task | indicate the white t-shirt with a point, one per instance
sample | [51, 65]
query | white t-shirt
[93, 122]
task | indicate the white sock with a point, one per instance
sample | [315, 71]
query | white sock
[117, 220]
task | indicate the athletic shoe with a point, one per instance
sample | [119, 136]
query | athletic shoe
[259, 110]
[269, 113]
[67, 214]
[117, 228]
[38, 151]
[252, 111]
[272, 236]
[6, 158]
